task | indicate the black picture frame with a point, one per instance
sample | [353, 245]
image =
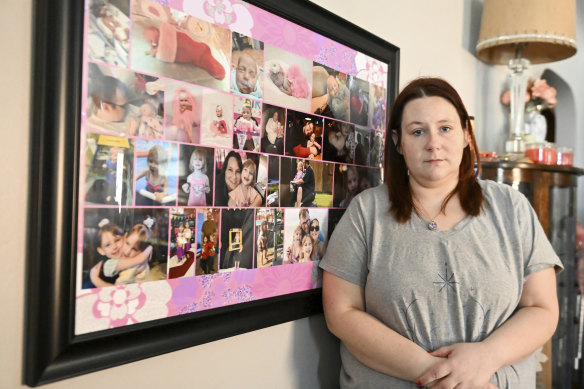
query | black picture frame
[52, 351]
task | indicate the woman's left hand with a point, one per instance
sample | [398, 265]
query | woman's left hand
[467, 366]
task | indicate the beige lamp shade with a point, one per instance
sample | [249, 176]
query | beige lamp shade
[547, 28]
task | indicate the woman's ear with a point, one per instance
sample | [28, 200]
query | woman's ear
[395, 138]
[466, 137]
[100, 251]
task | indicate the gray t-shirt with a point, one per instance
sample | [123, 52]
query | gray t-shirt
[437, 288]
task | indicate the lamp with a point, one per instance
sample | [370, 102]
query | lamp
[517, 32]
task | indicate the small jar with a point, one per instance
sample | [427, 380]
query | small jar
[541, 152]
[565, 156]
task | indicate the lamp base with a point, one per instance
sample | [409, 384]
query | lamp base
[515, 146]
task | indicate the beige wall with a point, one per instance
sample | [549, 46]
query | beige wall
[435, 39]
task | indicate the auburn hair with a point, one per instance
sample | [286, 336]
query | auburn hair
[396, 170]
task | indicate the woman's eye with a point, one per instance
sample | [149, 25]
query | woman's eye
[445, 129]
[417, 132]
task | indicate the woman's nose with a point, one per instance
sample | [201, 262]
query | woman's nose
[432, 140]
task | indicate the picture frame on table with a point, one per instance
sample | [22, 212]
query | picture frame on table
[71, 328]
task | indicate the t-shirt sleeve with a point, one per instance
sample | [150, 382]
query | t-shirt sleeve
[538, 251]
[109, 267]
[347, 252]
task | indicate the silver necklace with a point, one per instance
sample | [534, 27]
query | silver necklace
[432, 225]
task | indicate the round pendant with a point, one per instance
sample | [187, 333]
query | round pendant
[432, 225]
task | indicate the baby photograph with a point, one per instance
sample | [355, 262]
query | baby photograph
[176, 45]
[247, 66]
[183, 112]
[287, 79]
[121, 102]
[330, 94]
[109, 31]
[217, 119]
[247, 116]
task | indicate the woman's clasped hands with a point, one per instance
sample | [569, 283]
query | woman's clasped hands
[461, 366]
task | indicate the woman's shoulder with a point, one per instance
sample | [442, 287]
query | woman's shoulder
[372, 201]
[498, 192]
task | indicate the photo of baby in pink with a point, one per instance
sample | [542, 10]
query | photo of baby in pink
[183, 117]
[246, 127]
[287, 79]
[179, 46]
[217, 119]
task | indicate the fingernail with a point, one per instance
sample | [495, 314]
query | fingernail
[419, 383]
[430, 351]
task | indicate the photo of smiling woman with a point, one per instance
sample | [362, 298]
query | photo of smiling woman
[229, 167]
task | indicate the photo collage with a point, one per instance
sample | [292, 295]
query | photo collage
[205, 150]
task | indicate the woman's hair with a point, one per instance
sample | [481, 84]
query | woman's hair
[314, 220]
[299, 163]
[198, 153]
[251, 166]
[106, 226]
[231, 154]
[143, 235]
[396, 170]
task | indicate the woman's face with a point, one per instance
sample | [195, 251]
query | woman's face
[314, 229]
[219, 112]
[307, 247]
[232, 174]
[111, 245]
[432, 141]
[275, 116]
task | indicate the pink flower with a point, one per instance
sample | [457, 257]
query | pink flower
[545, 92]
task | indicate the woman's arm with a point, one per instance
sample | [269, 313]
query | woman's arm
[126, 262]
[529, 328]
[367, 338]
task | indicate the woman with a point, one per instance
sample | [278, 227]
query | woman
[453, 285]
[319, 246]
[230, 178]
